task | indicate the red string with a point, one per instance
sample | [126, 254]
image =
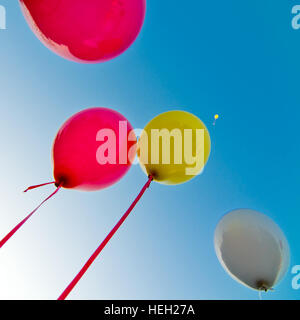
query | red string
[71, 286]
[39, 185]
[16, 228]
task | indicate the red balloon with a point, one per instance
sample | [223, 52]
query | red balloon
[93, 150]
[85, 30]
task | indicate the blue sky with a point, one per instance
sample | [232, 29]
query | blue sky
[239, 59]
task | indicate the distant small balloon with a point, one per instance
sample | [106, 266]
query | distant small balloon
[88, 31]
[252, 249]
[216, 117]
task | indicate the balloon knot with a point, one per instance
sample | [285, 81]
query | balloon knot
[60, 182]
[263, 286]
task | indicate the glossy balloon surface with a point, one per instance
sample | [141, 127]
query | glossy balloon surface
[252, 249]
[76, 147]
[85, 30]
[174, 148]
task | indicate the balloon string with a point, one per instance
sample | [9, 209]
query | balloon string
[39, 185]
[16, 228]
[74, 282]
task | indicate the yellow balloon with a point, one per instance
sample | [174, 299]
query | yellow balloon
[174, 147]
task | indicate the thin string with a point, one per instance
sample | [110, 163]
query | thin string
[39, 185]
[16, 228]
[81, 273]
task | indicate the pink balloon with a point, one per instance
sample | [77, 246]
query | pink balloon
[80, 150]
[85, 30]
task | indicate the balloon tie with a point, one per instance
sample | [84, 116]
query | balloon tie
[81, 273]
[17, 227]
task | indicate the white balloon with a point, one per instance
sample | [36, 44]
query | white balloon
[252, 249]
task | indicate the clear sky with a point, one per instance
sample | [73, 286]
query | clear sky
[239, 59]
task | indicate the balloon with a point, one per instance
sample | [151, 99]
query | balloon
[216, 117]
[85, 30]
[92, 150]
[252, 249]
[174, 147]
[77, 148]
